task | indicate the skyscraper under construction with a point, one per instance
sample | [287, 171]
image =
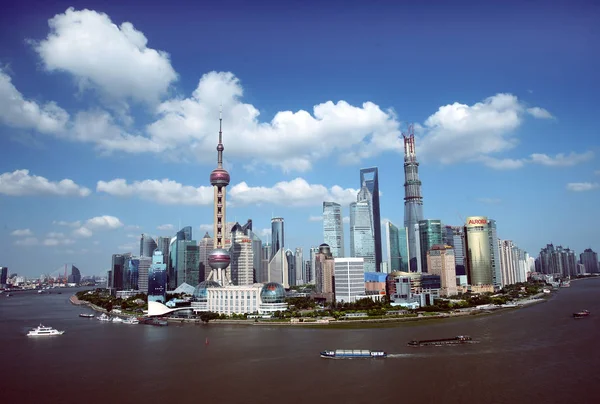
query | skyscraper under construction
[413, 200]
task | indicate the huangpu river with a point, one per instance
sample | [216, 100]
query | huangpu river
[537, 354]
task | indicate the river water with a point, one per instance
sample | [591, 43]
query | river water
[537, 354]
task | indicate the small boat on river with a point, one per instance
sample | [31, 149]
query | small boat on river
[353, 354]
[581, 314]
[461, 339]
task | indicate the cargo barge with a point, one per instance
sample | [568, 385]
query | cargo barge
[461, 339]
[353, 354]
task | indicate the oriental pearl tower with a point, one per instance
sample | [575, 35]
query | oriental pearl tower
[219, 258]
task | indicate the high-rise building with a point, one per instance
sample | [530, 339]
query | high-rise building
[143, 270]
[219, 258]
[333, 229]
[455, 236]
[495, 254]
[263, 276]
[349, 279]
[185, 233]
[133, 273]
[291, 263]
[312, 274]
[191, 271]
[162, 244]
[157, 278]
[589, 259]
[147, 246]
[242, 257]
[479, 256]
[370, 178]
[430, 234]
[205, 246]
[278, 266]
[362, 241]
[324, 271]
[256, 253]
[397, 248]
[440, 261]
[119, 271]
[299, 265]
[75, 276]
[557, 261]
[413, 199]
[3, 276]
[277, 235]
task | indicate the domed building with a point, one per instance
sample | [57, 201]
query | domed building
[272, 297]
[201, 291]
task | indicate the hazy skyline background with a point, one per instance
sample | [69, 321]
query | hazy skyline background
[109, 119]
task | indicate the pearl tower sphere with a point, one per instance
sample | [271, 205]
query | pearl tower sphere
[219, 258]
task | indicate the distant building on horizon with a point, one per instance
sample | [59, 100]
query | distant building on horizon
[147, 246]
[157, 278]
[362, 240]
[589, 259]
[397, 248]
[430, 234]
[349, 275]
[278, 264]
[413, 199]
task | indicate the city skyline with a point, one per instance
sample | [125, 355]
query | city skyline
[94, 157]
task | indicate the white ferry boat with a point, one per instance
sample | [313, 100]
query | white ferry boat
[43, 331]
[131, 320]
[352, 354]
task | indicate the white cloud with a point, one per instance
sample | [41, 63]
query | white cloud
[315, 218]
[27, 241]
[459, 132]
[104, 222]
[82, 232]
[22, 233]
[501, 164]
[561, 159]
[206, 227]
[346, 219]
[297, 192]
[100, 54]
[133, 227]
[76, 223]
[51, 242]
[264, 233]
[490, 201]
[54, 234]
[582, 186]
[166, 227]
[165, 191]
[539, 113]
[17, 112]
[20, 183]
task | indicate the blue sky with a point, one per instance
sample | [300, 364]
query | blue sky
[109, 118]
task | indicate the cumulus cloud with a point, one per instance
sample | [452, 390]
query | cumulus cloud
[315, 218]
[21, 183]
[539, 113]
[166, 227]
[98, 53]
[28, 241]
[51, 242]
[76, 223]
[54, 234]
[297, 192]
[22, 233]
[561, 159]
[165, 191]
[17, 112]
[582, 186]
[104, 222]
[501, 164]
[460, 132]
[82, 232]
